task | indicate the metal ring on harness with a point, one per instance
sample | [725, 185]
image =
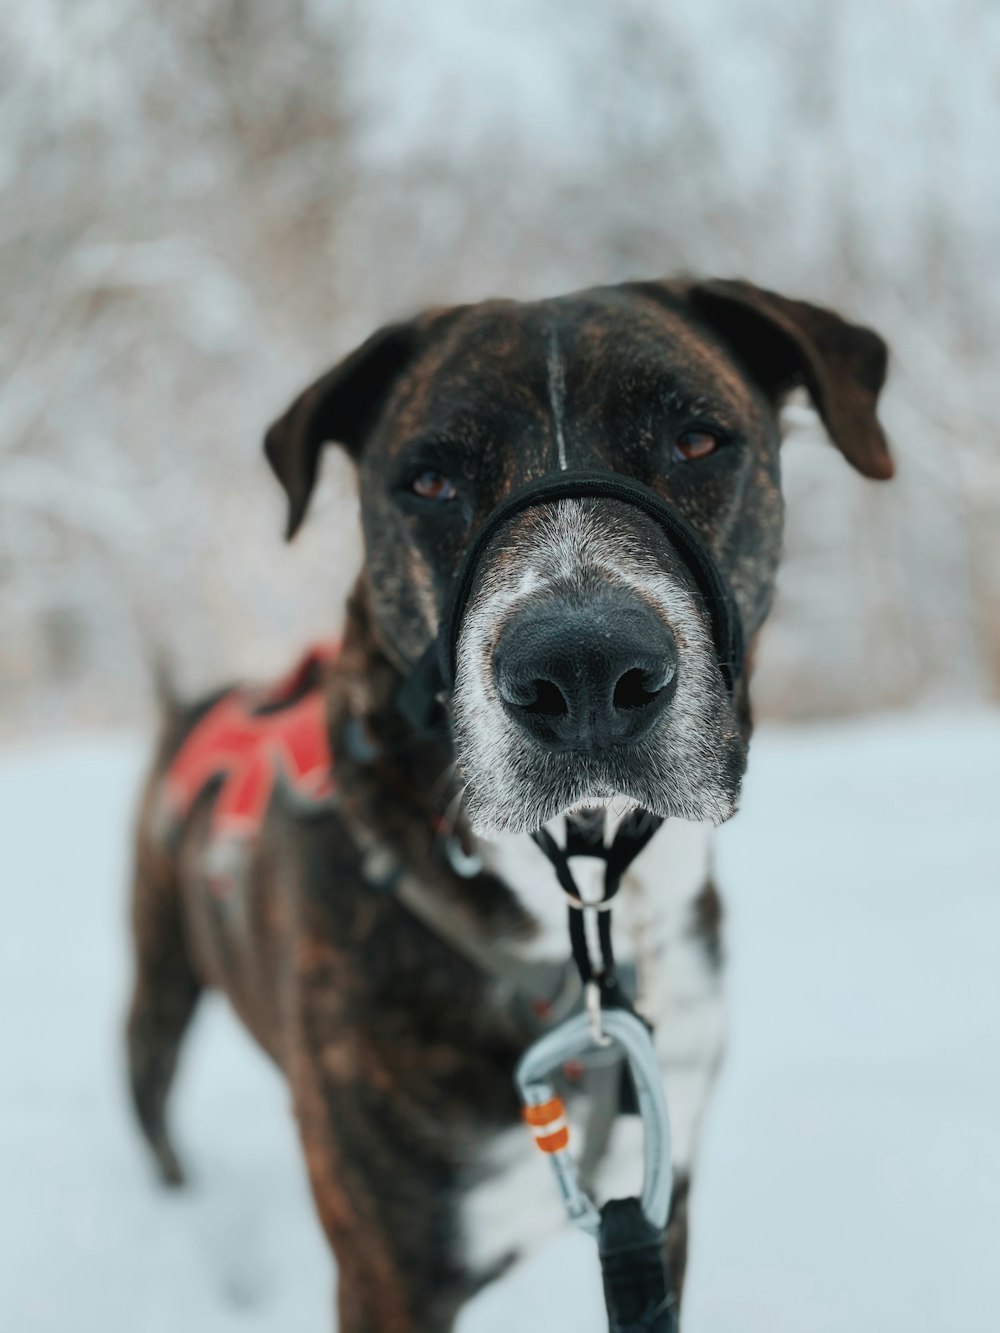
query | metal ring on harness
[573, 1040]
[582, 905]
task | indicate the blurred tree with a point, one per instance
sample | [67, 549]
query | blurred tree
[208, 202]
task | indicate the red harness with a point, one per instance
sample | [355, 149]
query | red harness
[248, 741]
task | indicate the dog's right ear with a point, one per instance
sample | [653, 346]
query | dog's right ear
[784, 342]
[343, 405]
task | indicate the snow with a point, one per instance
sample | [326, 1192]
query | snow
[850, 1173]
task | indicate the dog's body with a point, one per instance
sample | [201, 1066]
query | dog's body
[398, 1047]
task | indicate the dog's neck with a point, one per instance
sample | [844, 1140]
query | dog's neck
[371, 740]
[401, 787]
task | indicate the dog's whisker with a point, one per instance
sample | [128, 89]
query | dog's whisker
[448, 822]
[453, 810]
[444, 780]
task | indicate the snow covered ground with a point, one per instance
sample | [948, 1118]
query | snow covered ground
[850, 1175]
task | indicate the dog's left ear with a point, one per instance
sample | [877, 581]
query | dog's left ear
[343, 406]
[784, 342]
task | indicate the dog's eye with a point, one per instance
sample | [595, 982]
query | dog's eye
[431, 485]
[694, 444]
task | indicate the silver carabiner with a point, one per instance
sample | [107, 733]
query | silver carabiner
[545, 1114]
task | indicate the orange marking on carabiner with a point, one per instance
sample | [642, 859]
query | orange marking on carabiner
[553, 1142]
[545, 1113]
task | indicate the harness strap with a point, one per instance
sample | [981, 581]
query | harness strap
[546, 992]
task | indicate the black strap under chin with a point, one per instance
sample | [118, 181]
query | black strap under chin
[585, 837]
[434, 674]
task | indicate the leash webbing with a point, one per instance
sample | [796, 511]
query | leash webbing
[636, 1286]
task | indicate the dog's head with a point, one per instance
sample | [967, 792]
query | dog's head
[586, 671]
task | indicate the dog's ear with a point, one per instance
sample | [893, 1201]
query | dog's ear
[343, 405]
[783, 343]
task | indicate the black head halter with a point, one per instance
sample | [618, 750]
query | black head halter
[434, 674]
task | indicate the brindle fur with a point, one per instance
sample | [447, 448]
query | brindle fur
[397, 1050]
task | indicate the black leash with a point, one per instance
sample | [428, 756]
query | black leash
[637, 1290]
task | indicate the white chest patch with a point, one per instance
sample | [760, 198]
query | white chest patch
[653, 908]
[513, 1206]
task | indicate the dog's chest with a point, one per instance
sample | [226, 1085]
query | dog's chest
[654, 909]
[511, 1204]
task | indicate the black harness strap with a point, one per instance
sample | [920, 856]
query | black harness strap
[586, 838]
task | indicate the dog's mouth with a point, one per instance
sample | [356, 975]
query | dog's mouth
[692, 772]
[600, 814]
[525, 790]
[520, 788]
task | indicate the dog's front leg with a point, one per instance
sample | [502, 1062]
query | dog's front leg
[689, 1040]
[383, 1192]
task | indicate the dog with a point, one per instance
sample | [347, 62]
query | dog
[354, 917]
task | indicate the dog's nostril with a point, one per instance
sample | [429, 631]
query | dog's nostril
[637, 688]
[546, 699]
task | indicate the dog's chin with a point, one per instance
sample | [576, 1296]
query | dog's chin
[617, 808]
[523, 797]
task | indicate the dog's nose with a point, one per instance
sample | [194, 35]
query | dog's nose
[586, 676]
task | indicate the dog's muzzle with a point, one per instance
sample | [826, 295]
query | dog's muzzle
[565, 698]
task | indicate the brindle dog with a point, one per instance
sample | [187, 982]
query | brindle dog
[586, 677]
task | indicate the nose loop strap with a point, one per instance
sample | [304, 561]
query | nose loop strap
[434, 674]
